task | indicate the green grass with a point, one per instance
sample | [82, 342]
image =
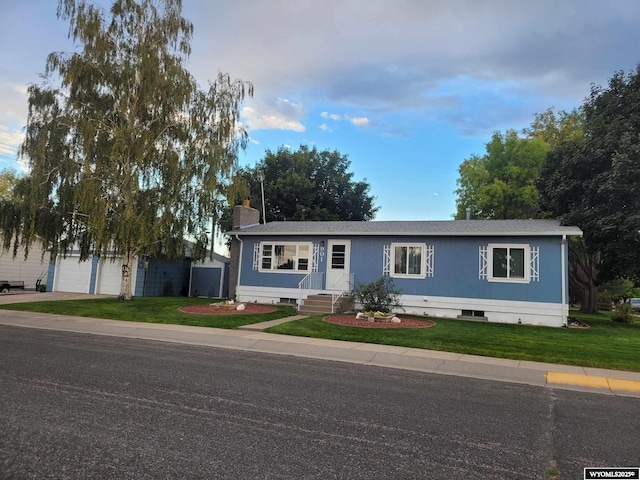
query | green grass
[604, 345]
[149, 309]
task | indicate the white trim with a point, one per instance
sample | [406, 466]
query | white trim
[256, 256]
[526, 262]
[535, 264]
[386, 259]
[275, 243]
[423, 249]
[496, 311]
[429, 261]
[483, 262]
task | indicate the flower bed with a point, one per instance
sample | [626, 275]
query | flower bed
[227, 309]
[352, 321]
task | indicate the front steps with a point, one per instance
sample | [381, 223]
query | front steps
[319, 304]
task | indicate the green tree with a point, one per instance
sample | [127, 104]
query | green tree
[308, 184]
[594, 181]
[8, 179]
[127, 153]
[501, 183]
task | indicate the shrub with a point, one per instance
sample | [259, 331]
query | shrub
[623, 313]
[378, 296]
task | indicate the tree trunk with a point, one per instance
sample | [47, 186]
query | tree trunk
[589, 303]
[125, 281]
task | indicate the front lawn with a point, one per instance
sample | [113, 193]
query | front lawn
[604, 345]
[149, 309]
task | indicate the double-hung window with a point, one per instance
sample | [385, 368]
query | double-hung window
[509, 263]
[285, 256]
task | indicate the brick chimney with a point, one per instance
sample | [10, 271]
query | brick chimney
[243, 216]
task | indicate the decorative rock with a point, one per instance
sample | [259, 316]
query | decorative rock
[395, 320]
[240, 307]
[360, 315]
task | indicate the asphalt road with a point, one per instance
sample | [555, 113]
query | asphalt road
[85, 406]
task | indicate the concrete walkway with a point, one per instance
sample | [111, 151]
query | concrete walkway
[254, 340]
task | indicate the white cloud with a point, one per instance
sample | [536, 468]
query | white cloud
[436, 194]
[323, 127]
[10, 140]
[360, 121]
[332, 116]
[278, 114]
[264, 121]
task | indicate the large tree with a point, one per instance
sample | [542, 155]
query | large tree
[594, 181]
[127, 153]
[308, 184]
[501, 183]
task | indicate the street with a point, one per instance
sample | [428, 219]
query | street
[89, 406]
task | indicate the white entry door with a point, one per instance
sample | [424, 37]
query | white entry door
[338, 265]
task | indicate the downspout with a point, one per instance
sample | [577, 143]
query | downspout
[565, 307]
[239, 263]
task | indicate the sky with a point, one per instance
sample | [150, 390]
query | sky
[406, 89]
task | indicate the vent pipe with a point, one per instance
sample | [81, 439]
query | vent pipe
[468, 213]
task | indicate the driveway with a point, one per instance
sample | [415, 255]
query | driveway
[23, 297]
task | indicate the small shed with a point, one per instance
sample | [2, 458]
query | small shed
[210, 278]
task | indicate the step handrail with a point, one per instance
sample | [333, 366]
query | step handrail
[311, 281]
[338, 295]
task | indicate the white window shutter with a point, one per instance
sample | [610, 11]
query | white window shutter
[386, 260]
[535, 264]
[429, 251]
[256, 256]
[314, 257]
[483, 265]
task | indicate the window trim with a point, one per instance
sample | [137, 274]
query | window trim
[392, 256]
[509, 246]
[297, 257]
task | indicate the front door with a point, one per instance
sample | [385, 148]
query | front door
[338, 265]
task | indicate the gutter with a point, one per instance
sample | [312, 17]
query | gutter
[239, 263]
[565, 307]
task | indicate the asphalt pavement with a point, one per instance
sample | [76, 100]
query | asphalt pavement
[252, 338]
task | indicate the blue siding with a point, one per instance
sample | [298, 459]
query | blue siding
[163, 278]
[456, 261]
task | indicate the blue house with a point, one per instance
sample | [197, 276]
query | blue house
[510, 271]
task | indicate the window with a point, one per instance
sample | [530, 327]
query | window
[407, 260]
[509, 263]
[285, 257]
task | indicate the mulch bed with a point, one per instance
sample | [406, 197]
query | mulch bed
[221, 309]
[351, 321]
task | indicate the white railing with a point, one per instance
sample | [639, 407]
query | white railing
[312, 281]
[337, 295]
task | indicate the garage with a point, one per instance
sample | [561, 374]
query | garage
[109, 276]
[72, 275]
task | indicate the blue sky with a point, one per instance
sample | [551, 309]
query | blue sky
[406, 89]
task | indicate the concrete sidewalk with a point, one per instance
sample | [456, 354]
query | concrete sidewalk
[503, 370]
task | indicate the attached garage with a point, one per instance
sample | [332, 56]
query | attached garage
[71, 275]
[109, 276]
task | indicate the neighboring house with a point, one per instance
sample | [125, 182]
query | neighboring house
[210, 278]
[30, 270]
[512, 271]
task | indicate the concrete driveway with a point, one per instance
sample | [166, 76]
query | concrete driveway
[30, 296]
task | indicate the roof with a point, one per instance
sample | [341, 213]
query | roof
[406, 228]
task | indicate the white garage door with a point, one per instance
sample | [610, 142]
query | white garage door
[110, 276]
[73, 276]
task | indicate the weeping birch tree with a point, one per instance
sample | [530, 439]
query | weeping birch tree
[127, 153]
